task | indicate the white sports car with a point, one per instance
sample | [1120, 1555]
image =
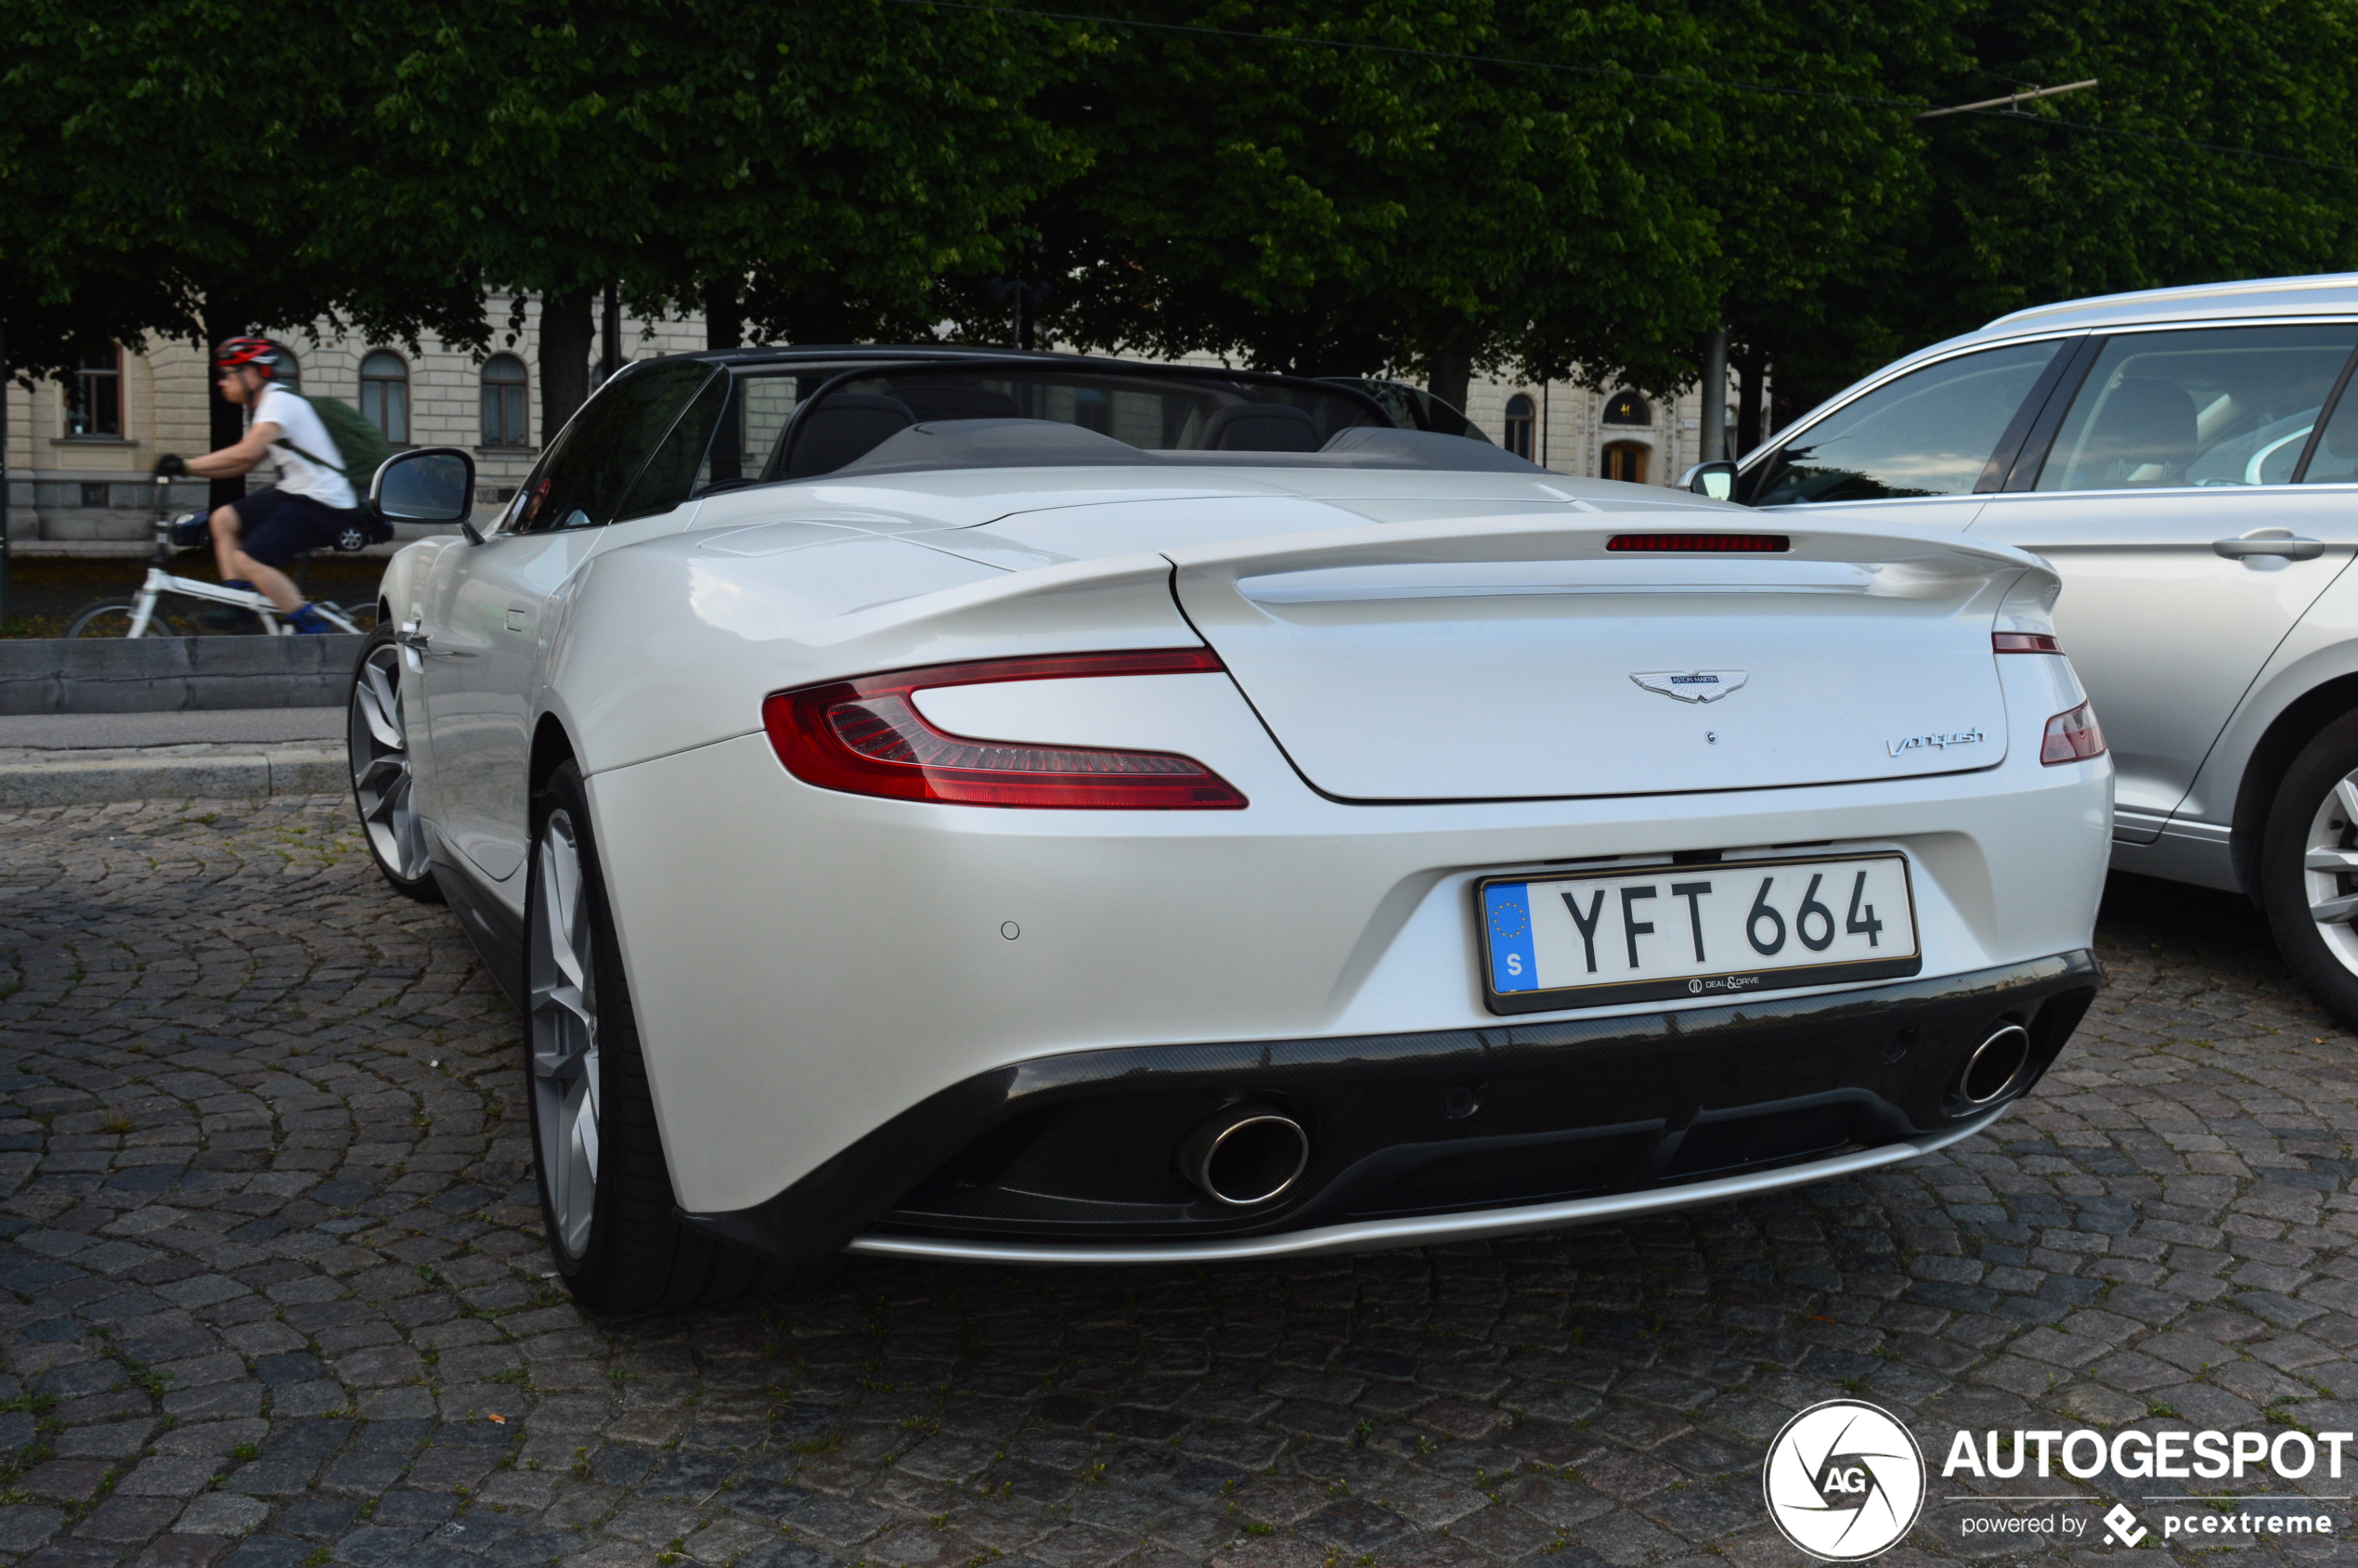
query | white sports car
[966, 804]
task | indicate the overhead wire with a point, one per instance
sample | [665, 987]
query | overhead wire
[1619, 74]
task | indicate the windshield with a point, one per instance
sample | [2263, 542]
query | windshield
[785, 427]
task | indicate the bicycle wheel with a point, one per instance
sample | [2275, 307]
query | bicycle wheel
[112, 617]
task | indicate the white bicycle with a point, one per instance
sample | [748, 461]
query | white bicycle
[143, 615]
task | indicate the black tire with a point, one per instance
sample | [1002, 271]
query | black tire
[2307, 814]
[630, 1252]
[112, 617]
[383, 782]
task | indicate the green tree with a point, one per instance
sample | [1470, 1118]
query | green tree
[1336, 210]
[798, 167]
[168, 168]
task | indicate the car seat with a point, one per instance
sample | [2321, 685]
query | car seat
[843, 429]
[2143, 422]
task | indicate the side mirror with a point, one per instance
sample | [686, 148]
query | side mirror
[1716, 480]
[428, 485]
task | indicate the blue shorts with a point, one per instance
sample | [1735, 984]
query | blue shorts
[273, 527]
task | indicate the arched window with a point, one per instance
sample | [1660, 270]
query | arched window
[503, 401]
[385, 394]
[94, 398]
[1519, 425]
[1625, 460]
[290, 371]
[1628, 407]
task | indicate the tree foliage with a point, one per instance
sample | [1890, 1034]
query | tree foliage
[1544, 186]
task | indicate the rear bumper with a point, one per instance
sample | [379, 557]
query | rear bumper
[1436, 1137]
[1370, 1236]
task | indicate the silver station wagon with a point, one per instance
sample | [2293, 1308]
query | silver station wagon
[2187, 460]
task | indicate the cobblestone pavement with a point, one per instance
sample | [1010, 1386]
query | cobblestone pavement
[276, 1294]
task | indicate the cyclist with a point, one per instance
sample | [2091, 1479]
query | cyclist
[255, 538]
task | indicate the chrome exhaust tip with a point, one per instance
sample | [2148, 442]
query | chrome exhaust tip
[1246, 1155]
[1995, 1067]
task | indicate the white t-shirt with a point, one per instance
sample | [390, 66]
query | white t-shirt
[299, 426]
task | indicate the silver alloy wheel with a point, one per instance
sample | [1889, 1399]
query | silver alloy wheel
[565, 1035]
[2329, 865]
[382, 780]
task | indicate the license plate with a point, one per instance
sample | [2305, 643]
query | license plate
[1584, 938]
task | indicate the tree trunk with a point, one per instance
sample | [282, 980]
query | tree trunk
[609, 334]
[1448, 373]
[225, 421]
[1713, 447]
[566, 332]
[724, 321]
[1752, 408]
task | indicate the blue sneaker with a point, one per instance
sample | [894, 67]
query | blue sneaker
[308, 621]
[229, 617]
[192, 530]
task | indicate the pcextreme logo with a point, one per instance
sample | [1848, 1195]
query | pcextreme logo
[1845, 1481]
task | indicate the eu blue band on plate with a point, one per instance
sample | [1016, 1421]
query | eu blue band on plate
[1507, 906]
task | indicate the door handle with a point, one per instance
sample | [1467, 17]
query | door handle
[2281, 542]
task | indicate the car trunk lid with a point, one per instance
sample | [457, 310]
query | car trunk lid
[1512, 657]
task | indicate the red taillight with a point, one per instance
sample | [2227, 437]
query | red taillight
[2023, 642]
[865, 737]
[1702, 544]
[2072, 737]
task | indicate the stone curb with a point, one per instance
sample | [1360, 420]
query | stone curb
[174, 674]
[177, 773]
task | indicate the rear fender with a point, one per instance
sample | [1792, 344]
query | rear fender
[670, 645]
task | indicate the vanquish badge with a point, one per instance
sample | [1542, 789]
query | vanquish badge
[1691, 685]
[1843, 1481]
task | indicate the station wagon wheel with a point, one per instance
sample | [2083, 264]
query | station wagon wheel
[606, 1195]
[2309, 868]
[383, 782]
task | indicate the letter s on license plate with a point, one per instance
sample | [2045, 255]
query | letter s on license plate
[1587, 938]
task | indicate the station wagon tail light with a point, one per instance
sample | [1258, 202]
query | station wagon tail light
[2023, 642]
[1702, 544]
[865, 737]
[2072, 737]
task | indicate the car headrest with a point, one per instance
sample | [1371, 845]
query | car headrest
[843, 429]
[1260, 427]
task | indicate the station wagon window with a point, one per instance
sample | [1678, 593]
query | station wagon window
[582, 480]
[2336, 459]
[1930, 433]
[2217, 405]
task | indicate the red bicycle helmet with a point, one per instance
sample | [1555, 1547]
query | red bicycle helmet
[260, 353]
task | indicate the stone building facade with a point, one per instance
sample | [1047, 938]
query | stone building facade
[79, 452]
